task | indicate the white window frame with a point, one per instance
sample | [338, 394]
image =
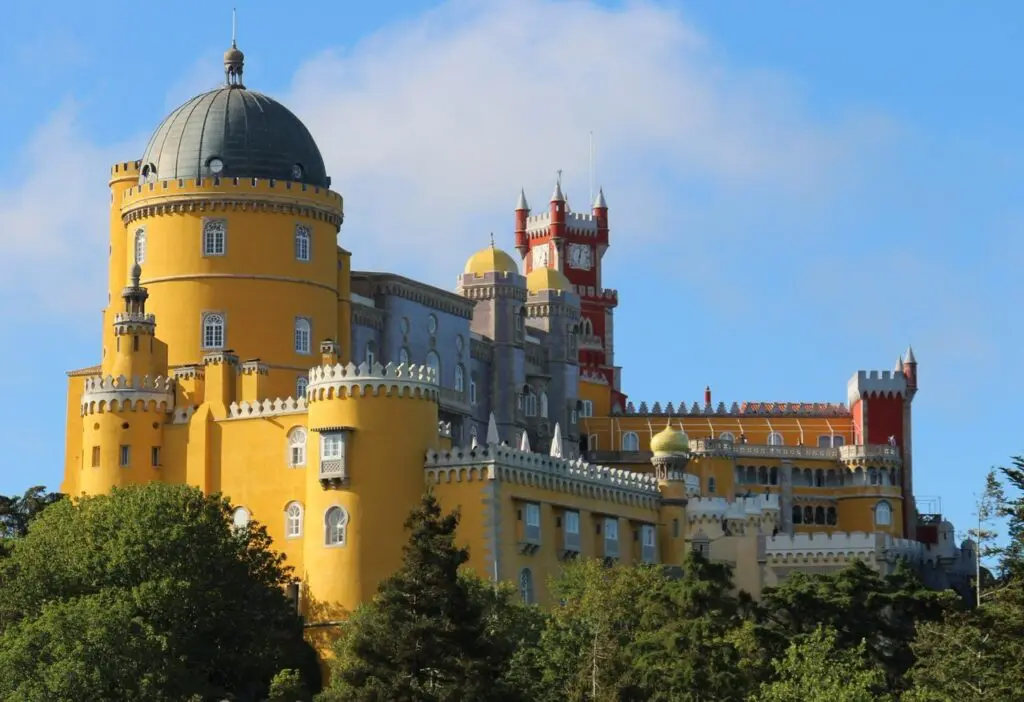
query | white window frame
[727, 436]
[140, 245]
[610, 531]
[303, 243]
[332, 446]
[434, 361]
[529, 402]
[883, 505]
[571, 522]
[301, 386]
[542, 404]
[460, 378]
[336, 534]
[155, 456]
[303, 335]
[240, 518]
[648, 543]
[587, 408]
[531, 521]
[630, 441]
[214, 325]
[775, 438]
[297, 438]
[215, 237]
[293, 518]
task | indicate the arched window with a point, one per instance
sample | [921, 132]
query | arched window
[775, 439]
[303, 335]
[773, 475]
[472, 391]
[592, 442]
[302, 237]
[819, 515]
[712, 486]
[529, 402]
[434, 362]
[240, 518]
[808, 515]
[883, 514]
[798, 515]
[544, 404]
[403, 355]
[630, 441]
[213, 331]
[301, 385]
[370, 353]
[215, 232]
[819, 478]
[587, 327]
[297, 447]
[726, 436]
[831, 518]
[460, 378]
[335, 526]
[140, 245]
[526, 585]
[293, 521]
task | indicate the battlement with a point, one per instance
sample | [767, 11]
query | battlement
[575, 222]
[876, 384]
[746, 409]
[266, 408]
[841, 546]
[721, 508]
[492, 461]
[232, 187]
[134, 318]
[125, 169]
[102, 394]
[606, 295]
[326, 382]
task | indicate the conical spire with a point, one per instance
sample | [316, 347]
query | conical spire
[600, 203]
[524, 442]
[556, 442]
[899, 366]
[492, 431]
[557, 196]
[522, 204]
[909, 357]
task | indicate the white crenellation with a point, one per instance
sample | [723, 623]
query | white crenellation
[841, 546]
[253, 367]
[326, 382]
[217, 358]
[137, 394]
[879, 383]
[747, 409]
[191, 372]
[575, 223]
[266, 408]
[741, 508]
[574, 476]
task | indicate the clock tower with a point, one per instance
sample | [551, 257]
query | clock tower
[575, 243]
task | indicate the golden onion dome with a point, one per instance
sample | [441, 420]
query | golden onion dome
[491, 260]
[547, 279]
[670, 441]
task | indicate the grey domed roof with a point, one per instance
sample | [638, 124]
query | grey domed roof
[243, 133]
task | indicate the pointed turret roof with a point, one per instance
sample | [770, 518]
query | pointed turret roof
[909, 358]
[522, 204]
[557, 196]
[524, 442]
[492, 431]
[556, 442]
[899, 366]
[599, 202]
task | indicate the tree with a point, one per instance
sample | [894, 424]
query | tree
[989, 508]
[288, 686]
[17, 512]
[815, 669]
[146, 593]
[426, 635]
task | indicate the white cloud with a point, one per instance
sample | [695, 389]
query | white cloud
[429, 128]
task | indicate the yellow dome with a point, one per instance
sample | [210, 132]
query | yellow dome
[547, 279]
[670, 440]
[491, 260]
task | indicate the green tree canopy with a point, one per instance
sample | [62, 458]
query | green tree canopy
[16, 512]
[146, 593]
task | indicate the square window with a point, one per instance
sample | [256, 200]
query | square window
[215, 237]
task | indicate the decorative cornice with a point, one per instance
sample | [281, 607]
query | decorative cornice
[483, 290]
[371, 317]
[326, 382]
[420, 293]
[137, 394]
[266, 408]
[215, 202]
[481, 350]
[747, 409]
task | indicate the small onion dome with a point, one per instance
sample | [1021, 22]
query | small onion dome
[491, 260]
[670, 441]
[547, 279]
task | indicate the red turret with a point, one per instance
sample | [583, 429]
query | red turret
[707, 395]
[910, 370]
[600, 211]
[522, 212]
[557, 227]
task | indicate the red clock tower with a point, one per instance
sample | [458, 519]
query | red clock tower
[575, 243]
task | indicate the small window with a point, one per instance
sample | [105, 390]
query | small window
[544, 404]
[798, 515]
[95, 456]
[240, 518]
[837, 441]
[831, 518]
[472, 391]
[572, 522]
[302, 242]
[335, 526]
[460, 379]
[303, 335]
[124, 456]
[726, 436]
[592, 442]
[215, 237]
[301, 385]
[403, 355]
[630, 441]
[712, 485]
[675, 528]
[332, 446]
[775, 439]
[530, 402]
[370, 353]
[648, 544]
[533, 515]
[213, 331]
[140, 245]
[297, 447]
[588, 408]
[883, 514]
[293, 521]
[154, 456]
[573, 417]
[526, 585]
[434, 362]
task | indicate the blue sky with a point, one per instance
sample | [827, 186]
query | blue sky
[797, 190]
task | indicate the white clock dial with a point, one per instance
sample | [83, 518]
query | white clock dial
[540, 256]
[580, 256]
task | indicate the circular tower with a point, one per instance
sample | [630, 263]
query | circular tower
[232, 218]
[365, 474]
[671, 449]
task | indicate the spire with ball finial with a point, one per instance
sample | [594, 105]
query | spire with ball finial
[233, 57]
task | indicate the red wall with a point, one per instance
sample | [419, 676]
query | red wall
[885, 419]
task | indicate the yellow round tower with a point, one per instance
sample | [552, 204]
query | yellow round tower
[364, 475]
[232, 218]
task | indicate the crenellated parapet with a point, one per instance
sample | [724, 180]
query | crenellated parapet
[745, 409]
[104, 394]
[718, 509]
[267, 408]
[859, 455]
[842, 547]
[138, 323]
[876, 384]
[397, 380]
[571, 476]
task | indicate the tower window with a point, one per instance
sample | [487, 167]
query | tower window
[302, 242]
[124, 456]
[303, 335]
[293, 521]
[526, 585]
[472, 391]
[434, 362]
[544, 404]
[95, 456]
[240, 518]
[297, 447]
[301, 385]
[460, 379]
[335, 526]
[883, 514]
[213, 331]
[140, 245]
[215, 232]
[630, 441]
[154, 456]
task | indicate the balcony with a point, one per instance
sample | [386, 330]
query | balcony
[872, 453]
[718, 447]
[333, 473]
[454, 401]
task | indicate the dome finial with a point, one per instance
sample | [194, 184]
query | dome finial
[233, 58]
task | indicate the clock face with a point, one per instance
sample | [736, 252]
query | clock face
[581, 256]
[540, 256]
[297, 172]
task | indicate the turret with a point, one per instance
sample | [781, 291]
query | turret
[557, 226]
[137, 352]
[671, 449]
[522, 213]
[910, 370]
[600, 211]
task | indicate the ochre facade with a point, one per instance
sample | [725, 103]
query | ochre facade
[241, 354]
